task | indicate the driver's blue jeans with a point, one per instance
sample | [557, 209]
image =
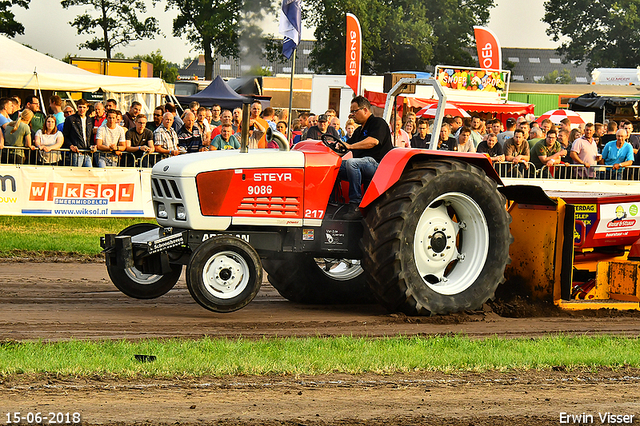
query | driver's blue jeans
[356, 171]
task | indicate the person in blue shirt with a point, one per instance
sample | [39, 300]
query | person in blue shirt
[617, 154]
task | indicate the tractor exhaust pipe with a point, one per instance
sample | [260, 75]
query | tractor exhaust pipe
[244, 136]
[279, 138]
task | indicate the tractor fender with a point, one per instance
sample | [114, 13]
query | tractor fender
[395, 161]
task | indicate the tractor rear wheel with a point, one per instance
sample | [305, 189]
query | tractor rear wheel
[438, 240]
[133, 282]
[302, 278]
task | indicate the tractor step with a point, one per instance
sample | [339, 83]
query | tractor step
[578, 305]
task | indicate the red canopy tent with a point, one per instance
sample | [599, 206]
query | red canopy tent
[501, 111]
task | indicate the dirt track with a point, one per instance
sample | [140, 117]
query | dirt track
[54, 301]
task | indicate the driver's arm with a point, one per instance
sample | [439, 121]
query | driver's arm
[367, 143]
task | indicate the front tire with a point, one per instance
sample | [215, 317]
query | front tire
[133, 282]
[302, 278]
[438, 240]
[224, 274]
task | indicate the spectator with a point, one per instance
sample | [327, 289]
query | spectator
[225, 140]
[618, 154]
[32, 103]
[203, 126]
[422, 138]
[18, 134]
[165, 138]
[110, 141]
[399, 137]
[547, 152]
[495, 127]
[111, 104]
[455, 124]
[612, 128]
[565, 124]
[177, 121]
[335, 123]
[190, 136]
[77, 132]
[574, 135]
[282, 128]
[492, 148]
[268, 116]
[17, 106]
[563, 138]
[194, 106]
[410, 128]
[446, 142]
[226, 118]
[516, 150]
[311, 121]
[261, 127]
[584, 151]
[130, 116]
[304, 120]
[55, 105]
[545, 126]
[464, 140]
[525, 127]
[214, 120]
[535, 135]
[48, 139]
[411, 116]
[138, 141]
[237, 119]
[6, 109]
[349, 128]
[283, 115]
[67, 111]
[508, 133]
[330, 113]
[476, 131]
[158, 112]
[321, 128]
[633, 140]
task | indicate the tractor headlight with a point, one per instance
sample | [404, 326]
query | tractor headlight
[181, 212]
[162, 212]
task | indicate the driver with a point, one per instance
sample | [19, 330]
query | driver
[369, 144]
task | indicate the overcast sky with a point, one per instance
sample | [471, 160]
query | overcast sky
[47, 29]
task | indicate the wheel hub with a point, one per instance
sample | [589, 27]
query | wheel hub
[225, 275]
[438, 241]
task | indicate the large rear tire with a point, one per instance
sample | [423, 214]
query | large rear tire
[301, 278]
[133, 282]
[438, 240]
[224, 274]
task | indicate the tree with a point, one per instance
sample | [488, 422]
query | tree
[217, 25]
[396, 34]
[117, 22]
[8, 23]
[555, 77]
[599, 33]
[162, 68]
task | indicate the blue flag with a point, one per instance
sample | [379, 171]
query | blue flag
[290, 26]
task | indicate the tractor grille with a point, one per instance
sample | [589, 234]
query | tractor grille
[165, 188]
[270, 206]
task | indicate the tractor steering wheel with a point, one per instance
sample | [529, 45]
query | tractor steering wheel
[327, 141]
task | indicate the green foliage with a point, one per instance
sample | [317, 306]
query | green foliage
[315, 356]
[117, 23]
[258, 70]
[508, 65]
[8, 23]
[600, 33]
[218, 25]
[162, 68]
[396, 34]
[555, 77]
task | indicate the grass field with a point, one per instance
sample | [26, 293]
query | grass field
[313, 356]
[78, 235]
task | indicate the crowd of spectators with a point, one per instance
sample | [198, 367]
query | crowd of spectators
[100, 135]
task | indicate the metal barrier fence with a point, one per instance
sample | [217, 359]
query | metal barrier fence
[566, 171]
[83, 157]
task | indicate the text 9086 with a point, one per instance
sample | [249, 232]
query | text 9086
[50, 418]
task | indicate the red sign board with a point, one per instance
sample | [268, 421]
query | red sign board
[354, 53]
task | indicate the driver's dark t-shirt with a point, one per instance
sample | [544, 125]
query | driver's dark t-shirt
[377, 128]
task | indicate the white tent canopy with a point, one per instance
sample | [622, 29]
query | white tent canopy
[24, 68]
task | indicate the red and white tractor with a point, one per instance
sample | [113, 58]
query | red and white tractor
[434, 237]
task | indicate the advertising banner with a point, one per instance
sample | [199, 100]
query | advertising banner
[489, 51]
[618, 220]
[60, 191]
[354, 53]
[473, 79]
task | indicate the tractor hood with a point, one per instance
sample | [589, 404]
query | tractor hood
[190, 165]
